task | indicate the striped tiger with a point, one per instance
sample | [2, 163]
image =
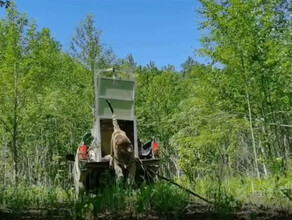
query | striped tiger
[122, 152]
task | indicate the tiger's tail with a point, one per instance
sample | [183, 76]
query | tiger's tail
[115, 121]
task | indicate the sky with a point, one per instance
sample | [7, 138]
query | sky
[163, 31]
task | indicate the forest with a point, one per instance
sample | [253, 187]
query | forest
[224, 127]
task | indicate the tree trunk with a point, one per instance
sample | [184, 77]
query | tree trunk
[15, 127]
[252, 135]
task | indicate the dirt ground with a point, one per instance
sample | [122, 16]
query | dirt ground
[192, 211]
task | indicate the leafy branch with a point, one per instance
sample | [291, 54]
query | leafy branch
[5, 4]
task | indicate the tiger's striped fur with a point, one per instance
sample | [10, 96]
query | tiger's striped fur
[122, 153]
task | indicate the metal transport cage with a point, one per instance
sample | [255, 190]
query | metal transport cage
[121, 94]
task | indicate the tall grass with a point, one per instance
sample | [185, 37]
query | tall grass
[234, 192]
[114, 199]
[161, 197]
[25, 197]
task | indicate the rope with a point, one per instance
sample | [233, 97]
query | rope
[174, 183]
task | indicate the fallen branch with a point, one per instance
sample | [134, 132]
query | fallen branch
[281, 125]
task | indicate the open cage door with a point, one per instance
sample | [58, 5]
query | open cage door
[121, 94]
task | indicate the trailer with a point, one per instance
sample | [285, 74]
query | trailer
[93, 154]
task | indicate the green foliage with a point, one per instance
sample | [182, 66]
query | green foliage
[161, 197]
[228, 123]
[27, 197]
[224, 201]
[43, 95]
[231, 194]
[5, 3]
[158, 95]
[113, 199]
[86, 46]
[208, 134]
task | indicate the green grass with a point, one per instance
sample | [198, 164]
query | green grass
[25, 197]
[36, 202]
[231, 193]
[228, 195]
[159, 197]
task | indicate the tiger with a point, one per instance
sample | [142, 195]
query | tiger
[122, 152]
